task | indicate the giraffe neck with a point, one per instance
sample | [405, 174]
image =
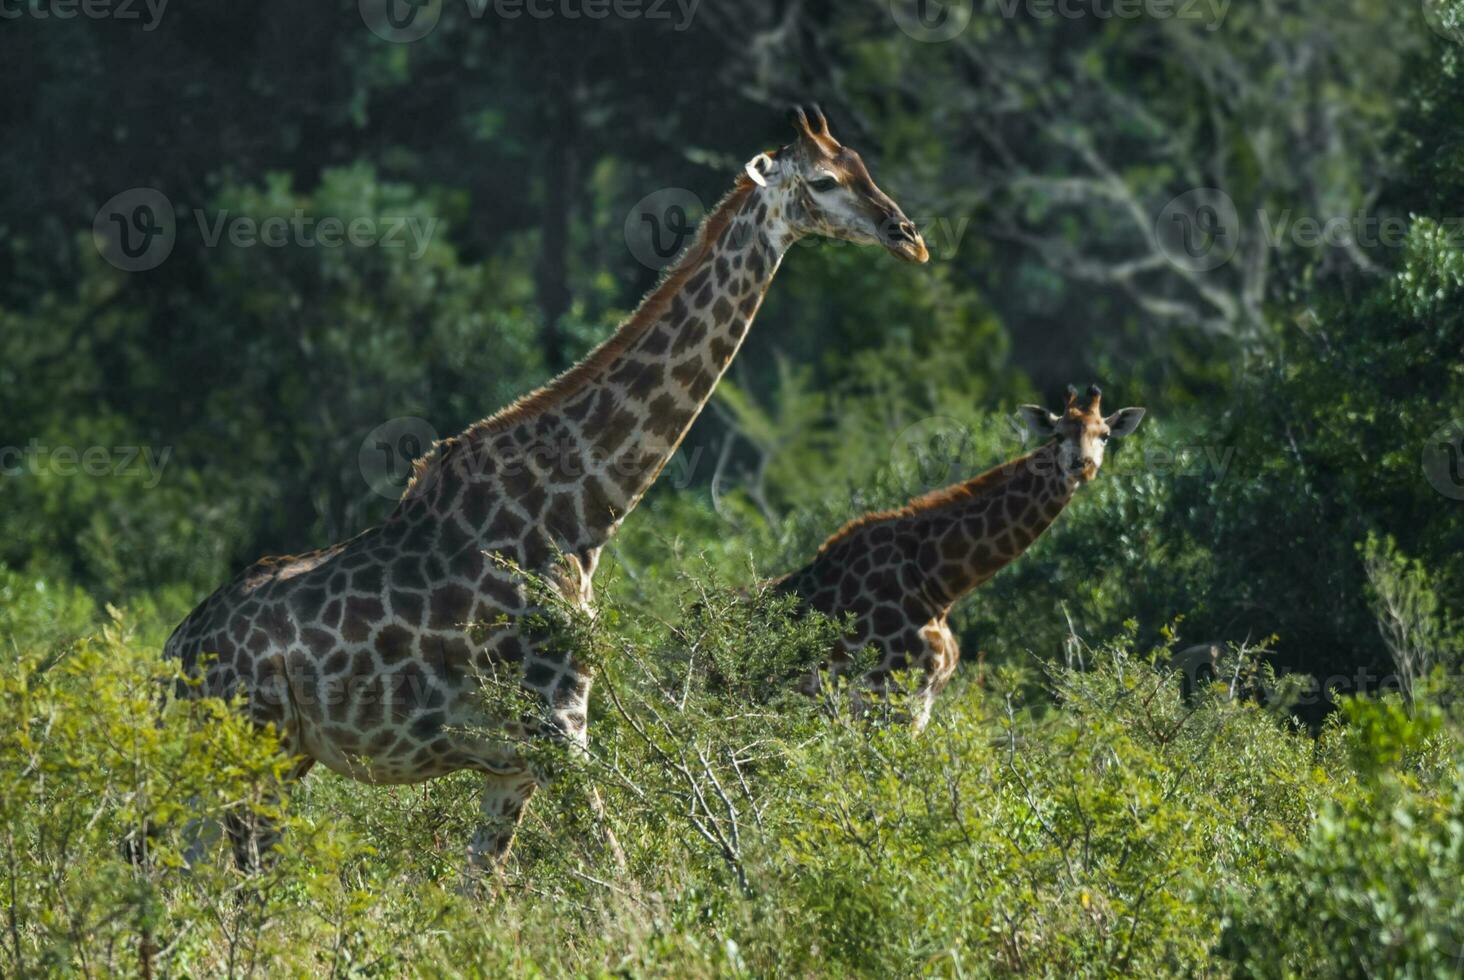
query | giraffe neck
[574, 458]
[979, 527]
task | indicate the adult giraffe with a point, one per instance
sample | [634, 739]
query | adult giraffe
[900, 571]
[361, 654]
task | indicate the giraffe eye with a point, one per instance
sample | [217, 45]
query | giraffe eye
[824, 183]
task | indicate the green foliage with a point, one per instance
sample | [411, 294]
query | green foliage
[35, 612]
[1246, 519]
[1321, 463]
[242, 427]
[1411, 619]
[87, 763]
[1072, 819]
[1377, 888]
[1104, 829]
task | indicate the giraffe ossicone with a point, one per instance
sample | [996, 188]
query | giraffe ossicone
[365, 655]
[899, 572]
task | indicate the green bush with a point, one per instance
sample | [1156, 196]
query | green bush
[1377, 887]
[1058, 821]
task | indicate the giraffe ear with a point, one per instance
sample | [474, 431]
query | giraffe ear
[763, 170]
[1038, 420]
[1123, 422]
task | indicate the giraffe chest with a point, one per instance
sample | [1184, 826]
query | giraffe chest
[439, 702]
[922, 645]
[942, 653]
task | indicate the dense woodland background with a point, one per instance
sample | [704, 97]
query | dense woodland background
[1037, 153]
[1297, 486]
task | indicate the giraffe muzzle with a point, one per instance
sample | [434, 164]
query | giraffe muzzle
[902, 239]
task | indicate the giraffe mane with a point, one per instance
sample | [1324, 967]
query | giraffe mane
[650, 310]
[957, 493]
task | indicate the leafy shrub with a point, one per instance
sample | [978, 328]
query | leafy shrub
[1100, 827]
[1377, 887]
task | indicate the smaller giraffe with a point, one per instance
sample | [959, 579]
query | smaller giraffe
[900, 571]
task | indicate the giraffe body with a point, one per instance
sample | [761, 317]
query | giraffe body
[374, 656]
[900, 572]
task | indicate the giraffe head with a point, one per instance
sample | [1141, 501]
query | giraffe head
[825, 190]
[1081, 432]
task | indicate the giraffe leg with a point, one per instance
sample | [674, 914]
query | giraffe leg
[254, 836]
[502, 807]
[577, 736]
[199, 837]
[597, 805]
[924, 701]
